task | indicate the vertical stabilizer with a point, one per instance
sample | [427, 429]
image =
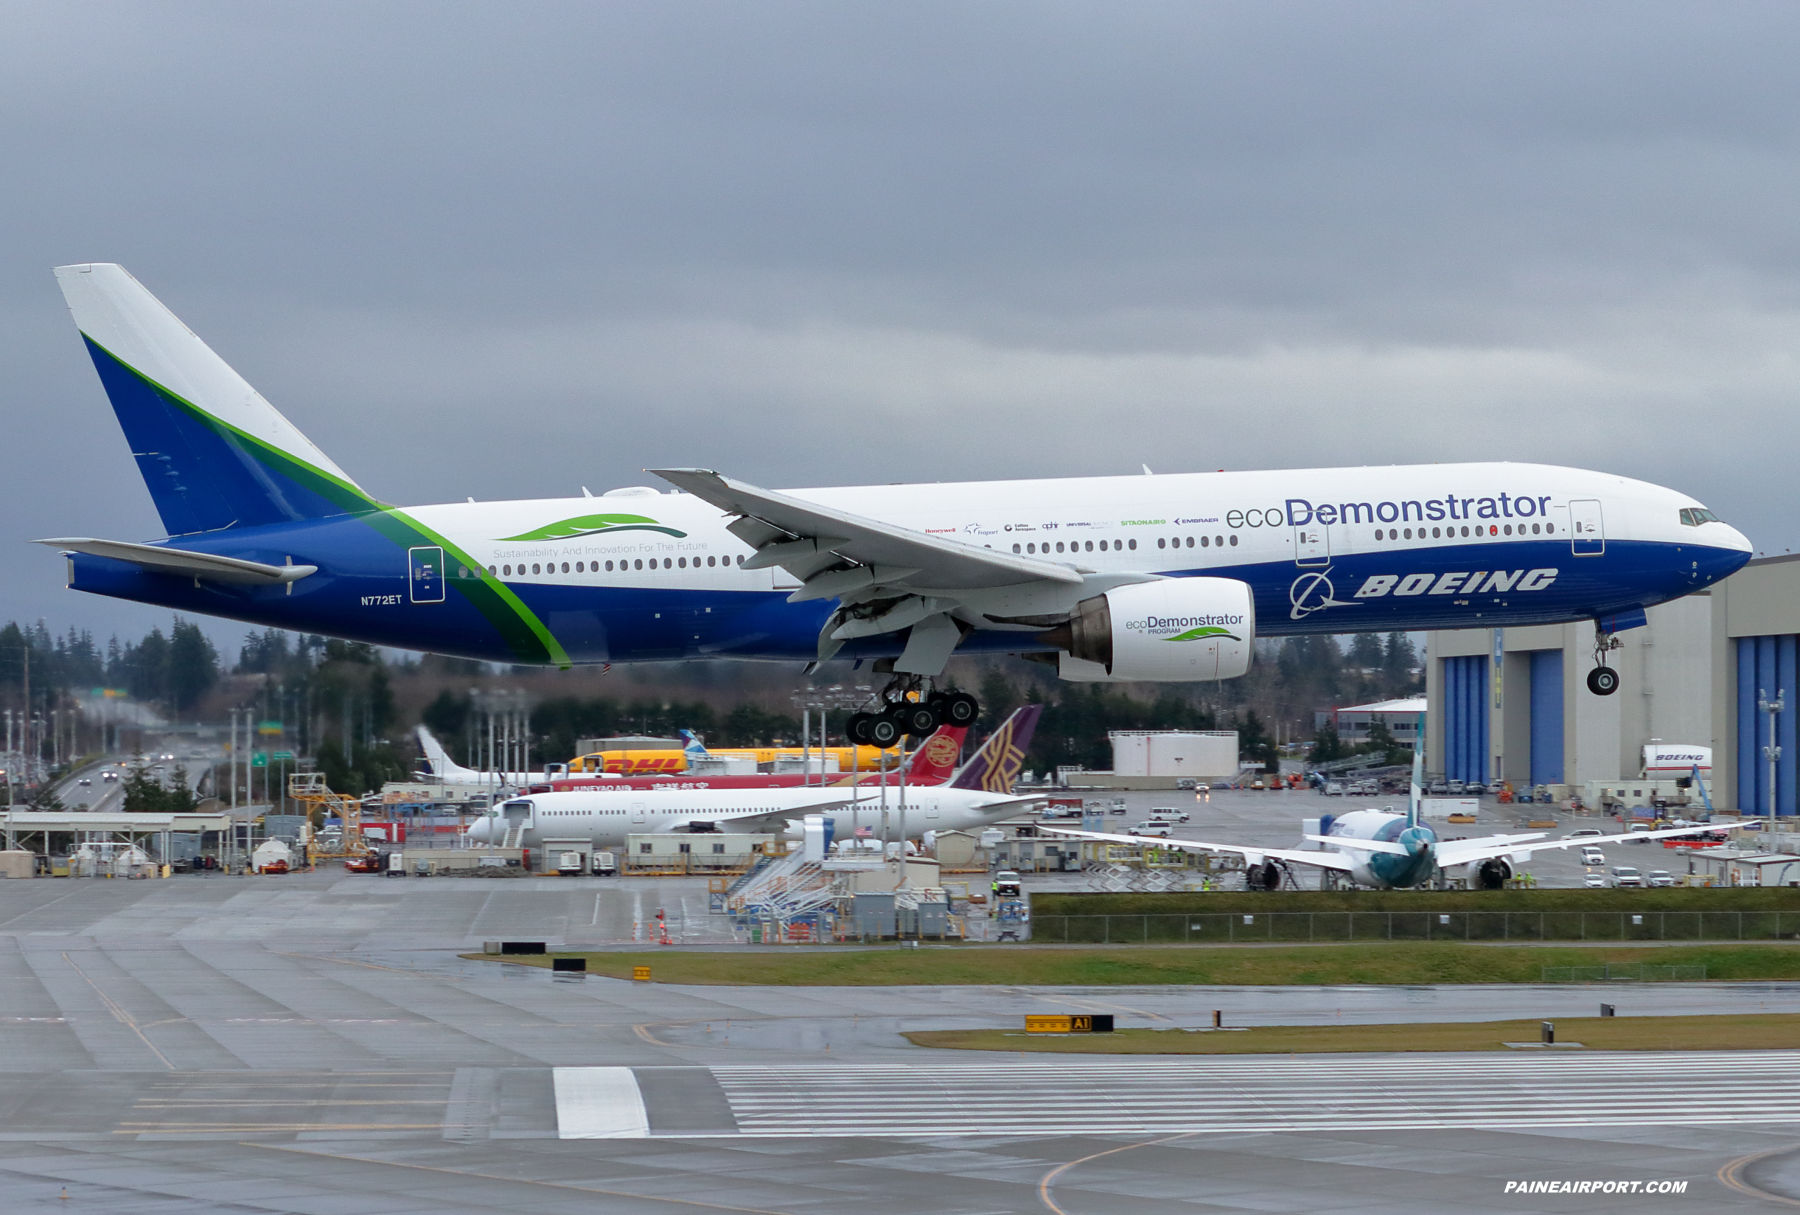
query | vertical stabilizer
[996, 767]
[213, 453]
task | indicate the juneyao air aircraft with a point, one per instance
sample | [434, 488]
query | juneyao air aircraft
[1391, 851]
[1108, 578]
[608, 811]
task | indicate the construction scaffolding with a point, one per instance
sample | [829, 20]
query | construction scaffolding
[309, 789]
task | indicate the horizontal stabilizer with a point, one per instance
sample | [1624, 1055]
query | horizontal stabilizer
[187, 564]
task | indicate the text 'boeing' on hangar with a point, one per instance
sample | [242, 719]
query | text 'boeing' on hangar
[1718, 669]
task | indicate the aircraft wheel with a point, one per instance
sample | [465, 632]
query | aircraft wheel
[882, 731]
[857, 729]
[918, 719]
[1603, 681]
[960, 709]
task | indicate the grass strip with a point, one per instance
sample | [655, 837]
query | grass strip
[1378, 964]
[1755, 1031]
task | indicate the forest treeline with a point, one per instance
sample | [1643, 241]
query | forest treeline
[352, 709]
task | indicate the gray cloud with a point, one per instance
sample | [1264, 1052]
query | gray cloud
[510, 250]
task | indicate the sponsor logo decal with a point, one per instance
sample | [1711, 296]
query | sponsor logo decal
[593, 525]
[1188, 628]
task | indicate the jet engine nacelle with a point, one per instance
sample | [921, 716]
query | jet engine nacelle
[1174, 629]
[1491, 874]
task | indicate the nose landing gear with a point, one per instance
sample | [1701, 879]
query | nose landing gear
[1603, 680]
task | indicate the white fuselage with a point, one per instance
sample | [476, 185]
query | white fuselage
[607, 816]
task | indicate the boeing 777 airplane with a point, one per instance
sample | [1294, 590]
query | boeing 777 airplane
[1107, 578]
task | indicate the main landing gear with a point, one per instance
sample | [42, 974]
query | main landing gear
[1603, 680]
[908, 710]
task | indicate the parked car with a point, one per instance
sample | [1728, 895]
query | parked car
[1594, 880]
[1151, 827]
[1626, 875]
[1333, 788]
[1437, 788]
[1581, 833]
[1659, 877]
[1455, 787]
[1592, 856]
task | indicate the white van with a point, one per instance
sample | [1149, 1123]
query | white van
[1626, 875]
[1168, 814]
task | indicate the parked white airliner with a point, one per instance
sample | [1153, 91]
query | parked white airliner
[979, 794]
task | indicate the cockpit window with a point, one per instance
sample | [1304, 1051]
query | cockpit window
[1694, 516]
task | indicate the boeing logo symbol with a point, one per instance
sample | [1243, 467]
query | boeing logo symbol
[1313, 591]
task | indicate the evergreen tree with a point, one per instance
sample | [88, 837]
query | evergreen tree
[193, 666]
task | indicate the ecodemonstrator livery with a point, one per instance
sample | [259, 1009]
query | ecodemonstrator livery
[1123, 578]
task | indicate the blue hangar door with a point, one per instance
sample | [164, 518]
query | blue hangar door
[1466, 718]
[1547, 717]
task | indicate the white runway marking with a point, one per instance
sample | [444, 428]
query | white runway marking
[599, 1103]
[1063, 1096]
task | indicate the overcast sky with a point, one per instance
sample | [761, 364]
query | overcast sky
[510, 250]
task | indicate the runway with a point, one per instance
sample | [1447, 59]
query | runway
[1064, 1096]
[314, 1044]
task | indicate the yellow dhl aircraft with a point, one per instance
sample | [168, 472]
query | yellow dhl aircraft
[640, 763]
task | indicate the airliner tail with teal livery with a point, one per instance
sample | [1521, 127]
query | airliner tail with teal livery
[1166, 578]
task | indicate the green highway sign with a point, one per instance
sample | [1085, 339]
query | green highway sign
[259, 759]
[283, 757]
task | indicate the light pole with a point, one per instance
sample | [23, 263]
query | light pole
[1772, 752]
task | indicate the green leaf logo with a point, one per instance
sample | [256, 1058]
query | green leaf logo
[1210, 630]
[594, 525]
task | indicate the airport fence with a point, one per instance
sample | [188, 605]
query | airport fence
[1299, 927]
[1632, 972]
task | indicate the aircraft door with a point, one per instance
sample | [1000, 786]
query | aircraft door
[637, 812]
[425, 574]
[518, 814]
[1312, 545]
[1587, 532]
[931, 808]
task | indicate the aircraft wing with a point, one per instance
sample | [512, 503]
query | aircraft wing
[1255, 856]
[1462, 852]
[801, 537]
[1344, 841]
[831, 798]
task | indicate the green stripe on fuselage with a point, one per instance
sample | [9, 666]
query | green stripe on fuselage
[527, 636]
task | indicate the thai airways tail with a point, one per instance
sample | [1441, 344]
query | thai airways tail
[996, 767]
[212, 451]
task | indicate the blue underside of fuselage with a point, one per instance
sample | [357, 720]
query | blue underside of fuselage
[361, 592]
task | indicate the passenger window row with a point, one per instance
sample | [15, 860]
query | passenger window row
[593, 567]
[1205, 541]
[1075, 546]
[1492, 529]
